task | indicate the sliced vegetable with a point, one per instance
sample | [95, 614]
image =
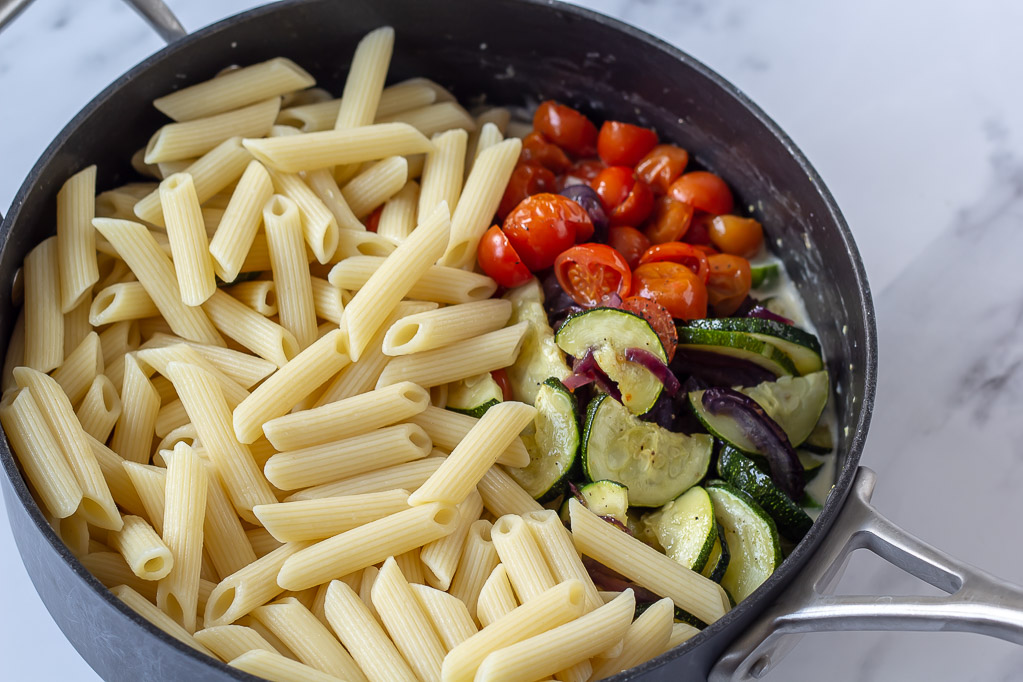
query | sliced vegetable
[821, 441]
[751, 536]
[737, 345]
[588, 272]
[685, 528]
[674, 286]
[539, 357]
[585, 196]
[656, 465]
[669, 222]
[544, 225]
[552, 443]
[475, 395]
[714, 369]
[733, 466]
[802, 347]
[499, 260]
[624, 144]
[607, 333]
[526, 180]
[662, 166]
[676, 252]
[728, 283]
[764, 275]
[703, 191]
[566, 127]
[628, 201]
[795, 403]
[720, 555]
[736, 235]
[609, 499]
[656, 366]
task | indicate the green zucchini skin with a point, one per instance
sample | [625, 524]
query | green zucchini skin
[792, 522]
[802, 347]
[553, 443]
[685, 528]
[752, 539]
[736, 344]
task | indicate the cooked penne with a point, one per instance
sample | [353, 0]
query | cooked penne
[261, 541]
[142, 606]
[481, 195]
[160, 356]
[155, 271]
[76, 240]
[434, 118]
[319, 226]
[111, 569]
[438, 283]
[365, 82]
[477, 562]
[121, 301]
[224, 539]
[344, 418]
[100, 408]
[647, 637]
[252, 586]
[521, 556]
[140, 405]
[394, 279]
[291, 273]
[183, 513]
[447, 429]
[404, 476]
[497, 597]
[351, 243]
[366, 545]
[150, 483]
[345, 458]
[444, 326]
[680, 632]
[241, 220]
[176, 141]
[76, 323]
[361, 633]
[259, 295]
[326, 300]
[398, 217]
[120, 485]
[271, 666]
[310, 151]
[645, 566]
[142, 549]
[235, 89]
[44, 317]
[442, 171]
[308, 638]
[187, 233]
[440, 557]
[231, 641]
[555, 542]
[323, 184]
[409, 626]
[120, 201]
[312, 117]
[116, 341]
[449, 616]
[323, 518]
[243, 369]
[248, 328]
[502, 495]
[375, 185]
[79, 368]
[286, 387]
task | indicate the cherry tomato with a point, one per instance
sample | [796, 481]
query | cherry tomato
[589, 271]
[683, 254]
[536, 149]
[629, 242]
[728, 284]
[699, 230]
[658, 317]
[670, 220]
[735, 235]
[566, 127]
[544, 225]
[373, 221]
[584, 171]
[703, 191]
[628, 201]
[501, 377]
[662, 166]
[526, 180]
[498, 259]
[674, 286]
[623, 144]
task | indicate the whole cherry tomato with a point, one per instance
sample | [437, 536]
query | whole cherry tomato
[566, 127]
[703, 191]
[735, 235]
[670, 220]
[629, 242]
[624, 144]
[674, 286]
[373, 220]
[536, 149]
[544, 225]
[662, 166]
[501, 378]
[526, 180]
[498, 259]
[589, 271]
[583, 171]
[658, 317]
[628, 201]
[728, 284]
[683, 254]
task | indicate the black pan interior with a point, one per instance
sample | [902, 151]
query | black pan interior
[509, 52]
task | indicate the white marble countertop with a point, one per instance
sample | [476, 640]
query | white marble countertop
[910, 111]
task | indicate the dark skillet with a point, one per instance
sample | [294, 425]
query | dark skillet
[518, 52]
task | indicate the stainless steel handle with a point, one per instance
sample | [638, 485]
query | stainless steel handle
[155, 12]
[976, 601]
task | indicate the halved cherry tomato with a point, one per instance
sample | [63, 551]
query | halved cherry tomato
[735, 235]
[624, 144]
[676, 252]
[628, 201]
[670, 220]
[629, 242]
[585, 170]
[526, 180]
[536, 149]
[662, 166]
[589, 271]
[703, 191]
[566, 127]
[658, 317]
[373, 221]
[498, 259]
[728, 284]
[699, 230]
[674, 286]
[501, 377]
[544, 225]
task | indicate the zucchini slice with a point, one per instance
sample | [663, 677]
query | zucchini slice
[475, 395]
[552, 442]
[738, 345]
[656, 465]
[539, 357]
[821, 441]
[752, 540]
[795, 403]
[607, 498]
[717, 564]
[608, 333]
[764, 275]
[739, 470]
[685, 528]
[802, 347]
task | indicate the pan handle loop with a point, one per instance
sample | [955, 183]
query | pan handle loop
[155, 12]
[976, 601]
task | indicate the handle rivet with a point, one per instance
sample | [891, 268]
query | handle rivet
[760, 668]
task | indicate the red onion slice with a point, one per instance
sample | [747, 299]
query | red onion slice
[648, 360]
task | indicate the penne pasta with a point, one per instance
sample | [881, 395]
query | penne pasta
[477, 562]
[149, 483]
[237, 229]
[111, 569]
[259, 295]
[406, 622]
[447, 429]
[375, 185]
[76, 240]
[183, 514]
[404, 476]
[502, 495]
[361, 633]
[439, 284]
[271, 666]
[555, 543]
[119, 302]
[121, 487]
[521, 556]
[231, 641]
[433, 119]
[440, 557]
[44, 317]
[448, 615]
[140, 605]
[323, 518]
[398, 217]
[308, 638]
[224, 539]
[252, 586]
[291, 274]
[142, 549]
[79, 368]
[323, 184]
[319, 226]
[444, 326]
[497, 597]
[316, 116]
[176, 141]
[647, 637]
[241, 368]
[248, 328]
[442, 171]
[187, 233]
[365, 83]
[324, 149]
